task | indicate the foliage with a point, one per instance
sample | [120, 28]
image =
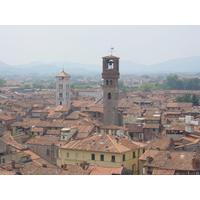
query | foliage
[31, 136]
[17, 133]
[38, 86]
[174, 83]
[120, 84]
[51, 86]
[27, 86]
[188, 98]
[2, 82]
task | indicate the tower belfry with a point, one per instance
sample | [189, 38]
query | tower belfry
[110, 77]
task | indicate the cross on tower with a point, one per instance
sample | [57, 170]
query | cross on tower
[111, 50]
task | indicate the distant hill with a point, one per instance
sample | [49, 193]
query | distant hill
[190, 64]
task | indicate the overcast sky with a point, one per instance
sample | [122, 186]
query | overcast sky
[87, 44]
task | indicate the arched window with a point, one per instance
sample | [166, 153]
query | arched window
[106, 82]
[109, 95]
[110, 82]
[60, 102]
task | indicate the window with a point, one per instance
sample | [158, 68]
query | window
[109, 95]
[60, 94]
[140, 135]
[60, 102]
[154, 129]
[92, 156]
[106, 82]
[112, 158]
[47, 152]
[63, 137]
[134, 155]
[149, 170]
[143, 150]
[102, 157]
[60, 86]
[76, 155]
[123, 157]
[133, 168]
[110, 82]
[67, 155]
[0, 122]
[3, 160]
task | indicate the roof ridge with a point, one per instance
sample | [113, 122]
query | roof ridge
[113, 143]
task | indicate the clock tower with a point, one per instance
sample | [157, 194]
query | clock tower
[110, 77]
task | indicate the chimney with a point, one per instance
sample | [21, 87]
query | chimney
[44, 165]
[149, 159]
[168, 155]
[85, 165]
[107, 149]
[13, 164]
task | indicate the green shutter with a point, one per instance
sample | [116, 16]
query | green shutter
[93, 156]
[102, 157]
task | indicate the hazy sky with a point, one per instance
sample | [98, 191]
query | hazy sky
[88, 44]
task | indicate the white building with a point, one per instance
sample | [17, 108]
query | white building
[63, 89]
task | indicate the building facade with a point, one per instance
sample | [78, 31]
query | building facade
[102, 150]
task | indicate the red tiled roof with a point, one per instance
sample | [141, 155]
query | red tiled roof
[163, 172]
[99, 142]
[62, 74]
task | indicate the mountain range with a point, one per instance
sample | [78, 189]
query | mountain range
[181, 65]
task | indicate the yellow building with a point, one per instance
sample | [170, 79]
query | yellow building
[103, 150]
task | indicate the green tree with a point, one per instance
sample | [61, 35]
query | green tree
[195, 100]
[173, 83]
[188, 98]
[2, 82]
[27, 86]
[120, 84]
[146, 87]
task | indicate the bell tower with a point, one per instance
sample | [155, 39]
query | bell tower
[63, 89]
[110, 78]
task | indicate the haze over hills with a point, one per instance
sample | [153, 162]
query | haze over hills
[190, 64]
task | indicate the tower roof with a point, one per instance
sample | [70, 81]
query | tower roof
[62, 74]
[110, 57]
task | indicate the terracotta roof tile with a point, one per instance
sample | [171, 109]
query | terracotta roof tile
[99, 142]
[163, 172]
[62, 74]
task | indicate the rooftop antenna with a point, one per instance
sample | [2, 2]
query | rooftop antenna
[111, 50]
[63, 68]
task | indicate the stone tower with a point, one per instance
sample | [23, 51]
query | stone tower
[110, 77]
[63, 89]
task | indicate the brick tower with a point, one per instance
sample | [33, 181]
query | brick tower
[110, 77]
[63, 89]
